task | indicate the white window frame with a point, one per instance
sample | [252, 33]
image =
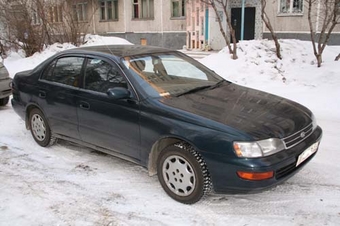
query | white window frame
[80, 11]
[290, 10]
[145, 9]
[36, 20]
[114, 10]
[181, 9]
[56, 14]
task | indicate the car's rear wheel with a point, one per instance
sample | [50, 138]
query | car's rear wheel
[4, 101]
[183, 173]
[40, 129]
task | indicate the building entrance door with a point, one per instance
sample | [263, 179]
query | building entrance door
[249, 22]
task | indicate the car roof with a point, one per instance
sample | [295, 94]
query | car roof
[119, 50]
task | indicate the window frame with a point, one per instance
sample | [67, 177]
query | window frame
[181, 9]
[114, 10]
[46, 69]
[113, 66]
[80, 8]
[150, 11]
[290, 11]
[130, 87]
[56, 13]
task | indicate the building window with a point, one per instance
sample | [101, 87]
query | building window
[36, 20]
[56, 14]
[109, 10]
[142, 9]
[177, 8]
[79, 11]
[291, 6]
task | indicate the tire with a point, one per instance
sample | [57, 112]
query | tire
[183, 173]
[40, 129]
[4, 101]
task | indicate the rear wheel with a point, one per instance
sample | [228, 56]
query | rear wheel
[4, 101]
[40, 129]
[183, 173]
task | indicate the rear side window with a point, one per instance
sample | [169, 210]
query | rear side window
[65, 71]
[101, 75]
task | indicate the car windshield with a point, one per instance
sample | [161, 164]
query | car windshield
[170, 74]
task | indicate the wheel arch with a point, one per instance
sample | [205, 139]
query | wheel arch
[160, 145]
[29, 108]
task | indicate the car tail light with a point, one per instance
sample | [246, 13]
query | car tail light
[255, 175]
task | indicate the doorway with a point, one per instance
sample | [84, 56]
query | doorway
[249, 22]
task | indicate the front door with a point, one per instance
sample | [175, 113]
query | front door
[249, 22]
[103, 121]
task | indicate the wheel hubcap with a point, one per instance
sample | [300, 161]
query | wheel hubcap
[38, 127]
[179, 175]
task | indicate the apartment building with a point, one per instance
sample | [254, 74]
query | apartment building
[289, 18]
[146, 22]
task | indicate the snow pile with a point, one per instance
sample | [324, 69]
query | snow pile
[17, 62]
[296, 76]
[93, 40]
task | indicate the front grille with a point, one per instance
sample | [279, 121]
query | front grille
[298, 137]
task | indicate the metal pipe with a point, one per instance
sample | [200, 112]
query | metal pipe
[242, 20]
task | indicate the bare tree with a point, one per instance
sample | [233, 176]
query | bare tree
[223, 4]
[330, 16]
[30, 24]
[21, 32]
[266, 21]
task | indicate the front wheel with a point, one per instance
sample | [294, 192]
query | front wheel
[4, 101]
[183, 173]
[40, 129]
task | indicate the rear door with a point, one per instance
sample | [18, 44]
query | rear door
[57, 94]
[104, 122]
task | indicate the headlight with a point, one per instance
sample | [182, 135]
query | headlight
[258, 148]
[314, 121]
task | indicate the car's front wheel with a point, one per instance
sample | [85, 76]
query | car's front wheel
[4, 101]
[183, 173]
[40, 129]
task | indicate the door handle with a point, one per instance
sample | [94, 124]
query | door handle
[84, 105]
[42, 94]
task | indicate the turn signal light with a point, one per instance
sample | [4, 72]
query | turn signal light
[255, 176]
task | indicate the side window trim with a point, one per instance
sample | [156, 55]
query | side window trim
[113, 64]
[54, 61]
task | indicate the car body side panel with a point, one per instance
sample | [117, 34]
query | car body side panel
[59, 104]
[110, 124]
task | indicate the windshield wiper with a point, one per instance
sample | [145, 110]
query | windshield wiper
[217, 84]
[194, 90]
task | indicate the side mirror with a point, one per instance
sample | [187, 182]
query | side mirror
[117, 93]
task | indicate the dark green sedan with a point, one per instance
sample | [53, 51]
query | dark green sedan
[167, 112]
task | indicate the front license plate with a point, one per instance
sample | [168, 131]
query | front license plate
[308, 152]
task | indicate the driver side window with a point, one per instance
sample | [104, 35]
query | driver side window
[101, 75]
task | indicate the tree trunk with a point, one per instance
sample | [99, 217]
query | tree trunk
[266, 21]
[337, 58]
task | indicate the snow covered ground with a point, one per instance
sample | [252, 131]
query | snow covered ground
[71, 185]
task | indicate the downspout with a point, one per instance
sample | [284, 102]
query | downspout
[125, 23]
[317, 17]
[242, 20]
[162, 23]
[93, 23]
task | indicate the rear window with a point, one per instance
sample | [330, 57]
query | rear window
[64, 70]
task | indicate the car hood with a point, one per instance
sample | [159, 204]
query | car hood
[259, 114]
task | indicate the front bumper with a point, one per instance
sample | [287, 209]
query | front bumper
[223, 170]
[5, 87]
